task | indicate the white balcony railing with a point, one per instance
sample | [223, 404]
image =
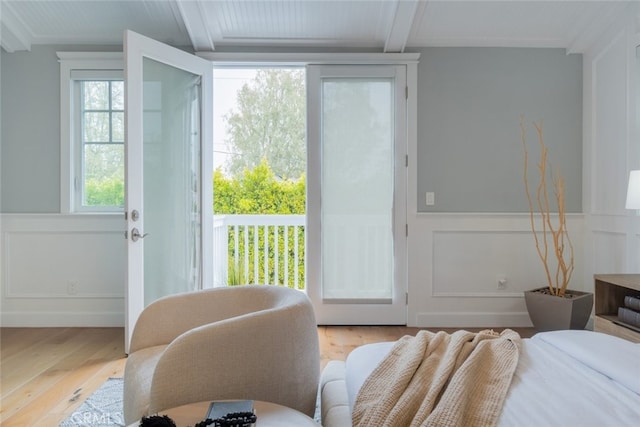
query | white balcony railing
[259, 249]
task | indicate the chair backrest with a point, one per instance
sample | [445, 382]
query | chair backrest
[259, 342]
[167, 318]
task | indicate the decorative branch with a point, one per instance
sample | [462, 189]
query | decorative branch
[559, 234]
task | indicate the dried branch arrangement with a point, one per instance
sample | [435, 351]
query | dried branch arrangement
[559, 280]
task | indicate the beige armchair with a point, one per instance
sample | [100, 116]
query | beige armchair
[244, 342]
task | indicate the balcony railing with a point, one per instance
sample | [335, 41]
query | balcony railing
[259, 249]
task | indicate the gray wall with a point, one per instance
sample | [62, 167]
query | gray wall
[30, 131]
[469, 105]
[30, 150]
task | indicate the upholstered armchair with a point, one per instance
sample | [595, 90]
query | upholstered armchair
[245, 342]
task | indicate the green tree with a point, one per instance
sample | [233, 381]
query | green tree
[269, 124]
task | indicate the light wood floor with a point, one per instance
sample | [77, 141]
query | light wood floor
[46, 373]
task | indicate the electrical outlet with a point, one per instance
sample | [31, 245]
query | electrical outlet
[502, 283]
[72, 287]
[430, 198]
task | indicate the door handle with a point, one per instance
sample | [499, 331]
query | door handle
[135, 234]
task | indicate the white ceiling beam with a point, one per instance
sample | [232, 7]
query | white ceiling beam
[14, 34]
[194, 20]
[590, 27]
[401, 25]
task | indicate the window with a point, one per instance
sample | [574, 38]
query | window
[92, 132]
[99, 114]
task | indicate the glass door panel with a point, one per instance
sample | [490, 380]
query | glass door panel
[171, 153]
[357, 194]
[357, 189]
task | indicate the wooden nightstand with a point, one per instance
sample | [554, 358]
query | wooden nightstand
[610, 290]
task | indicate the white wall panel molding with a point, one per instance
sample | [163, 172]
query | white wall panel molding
[613, 223]
[633, 247]
[610, 233]
[71, 264]
[471, 319]
[489, 258]
[62, 269]
[63, 222]
[610, 252]
[606, 149]
[81, 319]
[456, 263]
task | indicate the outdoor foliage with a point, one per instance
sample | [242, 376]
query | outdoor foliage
[105, 192]
[259, 191]
[103, 142]
[269, 124]
[246, 273]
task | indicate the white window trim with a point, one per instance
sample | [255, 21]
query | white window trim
[70, 61]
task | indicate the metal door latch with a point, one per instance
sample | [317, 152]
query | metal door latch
[135, 234]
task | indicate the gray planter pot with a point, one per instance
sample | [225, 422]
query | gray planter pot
[551, 313]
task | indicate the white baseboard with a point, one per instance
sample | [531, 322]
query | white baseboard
[472, 320]
[57, 319]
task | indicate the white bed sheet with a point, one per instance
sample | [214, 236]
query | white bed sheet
[563, 378]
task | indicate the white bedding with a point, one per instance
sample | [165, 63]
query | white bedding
[563, 378]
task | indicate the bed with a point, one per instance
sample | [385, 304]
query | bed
[563, 378]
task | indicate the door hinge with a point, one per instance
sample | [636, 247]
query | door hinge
[406, 92]
[406, 298]
[406, 230]
[406, 160]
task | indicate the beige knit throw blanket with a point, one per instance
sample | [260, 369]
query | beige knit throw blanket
[440, 379]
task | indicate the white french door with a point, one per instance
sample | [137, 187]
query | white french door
[168, 173]
[356, 206]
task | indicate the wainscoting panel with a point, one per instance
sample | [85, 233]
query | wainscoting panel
[470, 270]
[484, 264]
[63, 270]
[610, 252]
[70, 265]
[608, 155]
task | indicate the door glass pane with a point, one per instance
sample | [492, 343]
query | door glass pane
[171, 153]
[357, 189]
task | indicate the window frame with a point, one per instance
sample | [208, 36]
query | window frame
[75, 67]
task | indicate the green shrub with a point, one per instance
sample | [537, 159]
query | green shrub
[106, 192]
[260, 192]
